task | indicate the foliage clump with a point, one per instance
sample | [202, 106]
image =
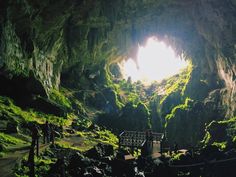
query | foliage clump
[8, 139]
[43, 164]
[183, 124]
[221, 133]
[18, 114]
[177, 83]
[131, 117]
[85, 140]
[181, 107]
[59, 98]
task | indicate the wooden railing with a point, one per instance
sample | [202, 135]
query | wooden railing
[137, 139]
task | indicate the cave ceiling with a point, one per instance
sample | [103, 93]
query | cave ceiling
[54, 37]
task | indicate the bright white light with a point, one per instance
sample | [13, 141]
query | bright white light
[155, 62]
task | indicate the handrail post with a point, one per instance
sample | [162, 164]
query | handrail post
[119, 139]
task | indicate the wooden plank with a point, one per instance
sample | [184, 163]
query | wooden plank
[129, 157]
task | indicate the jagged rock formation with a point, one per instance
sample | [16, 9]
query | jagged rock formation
[73, 41]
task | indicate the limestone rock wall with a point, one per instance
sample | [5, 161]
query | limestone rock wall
[72, 36]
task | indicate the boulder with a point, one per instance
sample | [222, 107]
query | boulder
[77, 164]
[95, 153]
[48, 106]
[100, 151]
[108, 150]
[106, 167]
[95, 171]
[78, 160]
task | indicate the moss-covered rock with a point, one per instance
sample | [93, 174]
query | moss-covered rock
[221, 133]
[186, 122]
[78, 40]
[130, 117]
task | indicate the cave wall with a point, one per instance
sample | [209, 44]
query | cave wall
[76, 39]
[216, 23]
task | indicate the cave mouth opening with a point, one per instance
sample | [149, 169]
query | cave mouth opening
[154, 62]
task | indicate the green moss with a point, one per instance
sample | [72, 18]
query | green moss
[112, 96]
[42, 166]
[184, 106]
[105, 136]
[128, 92]
[220, 133]
[80, 106]
[8, 139]
[87, 140]
[177, 156]
[206, 138]
[70, 96]
[177, 83]
[221, 145]
[86, 145]
[19, 115]
[133, 98]
[59, 98]
[102, 136]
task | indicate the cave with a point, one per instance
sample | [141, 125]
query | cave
[76, 65]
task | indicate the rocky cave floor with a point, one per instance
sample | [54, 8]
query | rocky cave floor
[103, 161]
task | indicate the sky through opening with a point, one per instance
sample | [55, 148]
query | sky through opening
[155, 62]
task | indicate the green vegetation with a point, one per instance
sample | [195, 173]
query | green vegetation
[132, 117]
[153, 97]
[107, 137]
[69, 96]
[117, 102]
[85, 140]
[11, 142]
[8, 139]
[42, 165]
[221, 145]
[220, 133]
[177, 83]
[59, 98]
[184, 106]
[176, 157]
[129, 93]
[82, 147]
[18, 114]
